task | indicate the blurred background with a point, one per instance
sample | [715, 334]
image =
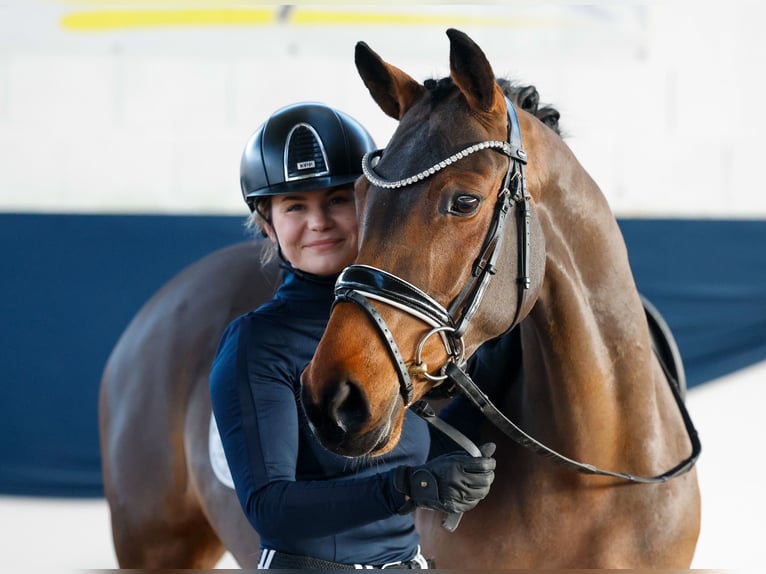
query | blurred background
[121, 129]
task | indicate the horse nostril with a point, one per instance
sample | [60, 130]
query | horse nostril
[348, 408]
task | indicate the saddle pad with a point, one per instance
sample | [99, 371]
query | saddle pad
[217, 456]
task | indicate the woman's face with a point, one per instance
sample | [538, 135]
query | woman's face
[316, 230]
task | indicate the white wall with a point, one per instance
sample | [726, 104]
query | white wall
[659, 98]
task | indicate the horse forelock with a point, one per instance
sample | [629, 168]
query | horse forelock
[524, 96]
[439, 124]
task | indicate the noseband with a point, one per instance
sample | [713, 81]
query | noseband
[361, 283]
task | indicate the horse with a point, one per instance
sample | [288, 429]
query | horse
[477, 219]
[167, 507]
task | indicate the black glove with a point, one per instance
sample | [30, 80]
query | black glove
[452, 482]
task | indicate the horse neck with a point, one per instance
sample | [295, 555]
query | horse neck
[587, 354]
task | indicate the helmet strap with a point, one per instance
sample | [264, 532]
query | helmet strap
[278, 246]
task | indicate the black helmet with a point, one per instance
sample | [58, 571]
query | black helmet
[303, 147]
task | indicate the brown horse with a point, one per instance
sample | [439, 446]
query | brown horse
[168, 510]
[464, 234]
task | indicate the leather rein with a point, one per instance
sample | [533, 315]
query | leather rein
[359, 284]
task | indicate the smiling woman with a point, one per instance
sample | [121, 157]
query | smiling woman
[316, 232]
[312, 508]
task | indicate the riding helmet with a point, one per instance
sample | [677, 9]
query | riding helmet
[303, 147]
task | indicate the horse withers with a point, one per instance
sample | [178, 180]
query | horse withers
[473, 219]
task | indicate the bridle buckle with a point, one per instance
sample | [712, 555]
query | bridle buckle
[455, 352]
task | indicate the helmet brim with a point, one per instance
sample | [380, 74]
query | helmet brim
[303, 186]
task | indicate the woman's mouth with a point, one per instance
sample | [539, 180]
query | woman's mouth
[324, 244]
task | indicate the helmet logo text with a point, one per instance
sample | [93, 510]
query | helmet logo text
[304, 154]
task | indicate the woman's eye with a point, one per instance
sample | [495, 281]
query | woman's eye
[340, 200]
[464, 204]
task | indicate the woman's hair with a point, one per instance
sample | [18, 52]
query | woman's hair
[256, 227]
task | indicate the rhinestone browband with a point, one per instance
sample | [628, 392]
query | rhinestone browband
[373, 178]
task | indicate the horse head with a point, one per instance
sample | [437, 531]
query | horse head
[451, 248]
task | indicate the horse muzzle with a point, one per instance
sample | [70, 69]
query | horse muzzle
[340, 419]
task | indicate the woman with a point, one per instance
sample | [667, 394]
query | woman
[313, 508]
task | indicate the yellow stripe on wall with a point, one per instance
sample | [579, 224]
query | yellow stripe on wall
[121, 19]
[325, 17]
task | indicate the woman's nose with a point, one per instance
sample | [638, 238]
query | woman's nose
[320, 219]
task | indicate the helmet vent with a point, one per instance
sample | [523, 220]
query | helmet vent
[304, 154]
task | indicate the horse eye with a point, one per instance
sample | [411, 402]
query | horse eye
[464, 204]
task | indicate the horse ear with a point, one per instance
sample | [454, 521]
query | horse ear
[392, 89]
[529, 99]
[472, 72]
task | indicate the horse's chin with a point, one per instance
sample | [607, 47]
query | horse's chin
[393, 429]
[374, 442]
[392, 440]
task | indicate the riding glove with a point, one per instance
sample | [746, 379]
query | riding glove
[452, 482]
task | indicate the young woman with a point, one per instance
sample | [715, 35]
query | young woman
[313, 508]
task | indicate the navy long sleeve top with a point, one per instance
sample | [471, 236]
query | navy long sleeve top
[300, 497]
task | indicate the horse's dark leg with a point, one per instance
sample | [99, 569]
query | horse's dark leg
[157, 518]
[219, 502]
[168, 511]
[187, 541]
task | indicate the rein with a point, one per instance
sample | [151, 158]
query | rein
[471, 390]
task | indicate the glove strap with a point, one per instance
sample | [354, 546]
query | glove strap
[424, 487]
[402, 480]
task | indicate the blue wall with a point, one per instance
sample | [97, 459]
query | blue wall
[69, 285]
[708, 279]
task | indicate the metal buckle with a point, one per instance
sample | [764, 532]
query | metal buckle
[455, 355]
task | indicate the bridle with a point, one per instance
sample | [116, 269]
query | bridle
[360, 284]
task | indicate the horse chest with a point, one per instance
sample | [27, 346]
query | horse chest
[546, 527]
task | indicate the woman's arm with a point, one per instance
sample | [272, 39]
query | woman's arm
[256, 412]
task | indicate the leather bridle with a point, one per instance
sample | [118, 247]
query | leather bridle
[359, 284]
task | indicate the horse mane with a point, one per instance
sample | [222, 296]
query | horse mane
[526, 97]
